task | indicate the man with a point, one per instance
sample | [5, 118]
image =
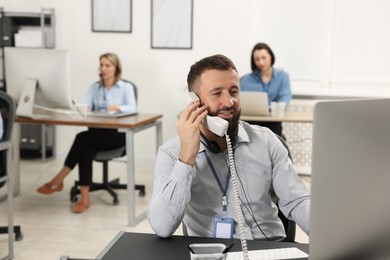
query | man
[192, 172]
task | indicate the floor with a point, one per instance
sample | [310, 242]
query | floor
[51, 230]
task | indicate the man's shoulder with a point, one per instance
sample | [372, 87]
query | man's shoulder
[256, 131]
[250, 128]
[172, 144]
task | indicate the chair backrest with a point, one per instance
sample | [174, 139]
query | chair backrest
[289, 225]
[7, 108]
[135, 88]
[7, 112]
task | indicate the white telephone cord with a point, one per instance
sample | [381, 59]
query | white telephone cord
[240, 217]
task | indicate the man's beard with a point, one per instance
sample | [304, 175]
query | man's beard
[233, 123]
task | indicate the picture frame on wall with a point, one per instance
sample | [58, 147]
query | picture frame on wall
[172, 22]
[112, 16]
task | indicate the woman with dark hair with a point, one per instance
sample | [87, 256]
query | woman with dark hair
[266, 78]
[110, 93]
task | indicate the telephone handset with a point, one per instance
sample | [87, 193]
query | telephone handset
[215, 124]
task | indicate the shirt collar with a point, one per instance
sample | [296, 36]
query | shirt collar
[117, 84]
[242, 137]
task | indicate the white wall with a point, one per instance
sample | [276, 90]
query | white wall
[330, 47]
[220, 26]
[304, 34]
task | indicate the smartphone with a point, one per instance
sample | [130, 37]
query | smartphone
[215, 124]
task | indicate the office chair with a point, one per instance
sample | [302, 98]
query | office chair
[7, 113]
[104, 157]
[289, 225]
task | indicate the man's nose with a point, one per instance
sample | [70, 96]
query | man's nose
[227, 100]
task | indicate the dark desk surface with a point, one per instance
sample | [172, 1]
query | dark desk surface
[128, 245]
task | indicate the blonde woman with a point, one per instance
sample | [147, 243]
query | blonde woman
[110, 93]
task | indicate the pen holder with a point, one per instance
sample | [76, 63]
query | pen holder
[212, 251]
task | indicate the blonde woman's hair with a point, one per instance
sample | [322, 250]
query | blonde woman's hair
[114, 60]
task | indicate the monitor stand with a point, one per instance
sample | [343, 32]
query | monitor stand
[26, 100]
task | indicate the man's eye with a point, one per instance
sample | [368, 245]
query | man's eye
[234, 92]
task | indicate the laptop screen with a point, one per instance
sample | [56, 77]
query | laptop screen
[254, 103]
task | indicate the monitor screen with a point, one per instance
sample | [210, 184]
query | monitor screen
[46, 71]
[350, 209]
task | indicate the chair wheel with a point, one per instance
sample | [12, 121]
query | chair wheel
[115, 201]
[73, 194]
[18, 236]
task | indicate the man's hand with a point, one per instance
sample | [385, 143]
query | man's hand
[188, 127]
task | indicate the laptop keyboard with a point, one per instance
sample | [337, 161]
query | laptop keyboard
[269, 254]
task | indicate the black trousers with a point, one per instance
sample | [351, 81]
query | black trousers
[275, 127]
[86, 145]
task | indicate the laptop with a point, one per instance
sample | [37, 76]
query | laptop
[350, 209]
[111, 114]
[254, 103]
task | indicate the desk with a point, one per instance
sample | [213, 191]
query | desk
[289, 116]
[128, 245]
[130, 125]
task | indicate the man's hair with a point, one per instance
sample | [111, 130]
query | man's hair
[261, 46]
[218, 62]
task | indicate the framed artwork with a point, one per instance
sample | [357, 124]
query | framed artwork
[111, 16]
[171, 24]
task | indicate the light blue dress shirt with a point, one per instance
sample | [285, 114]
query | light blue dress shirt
[121, 94]
[278, 88]
[191, 195]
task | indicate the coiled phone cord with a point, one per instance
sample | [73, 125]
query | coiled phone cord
[240, 217]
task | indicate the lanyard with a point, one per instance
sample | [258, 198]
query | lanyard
[224, 191]
[104, 93]
[102, 104]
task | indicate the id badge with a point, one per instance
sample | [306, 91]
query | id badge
[223, 227]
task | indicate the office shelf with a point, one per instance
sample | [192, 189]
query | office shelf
[36, 141]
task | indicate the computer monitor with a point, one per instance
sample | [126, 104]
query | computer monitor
[350, 185]
[38, 77]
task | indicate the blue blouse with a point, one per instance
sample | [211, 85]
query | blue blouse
[121, 94]
[278, 88]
